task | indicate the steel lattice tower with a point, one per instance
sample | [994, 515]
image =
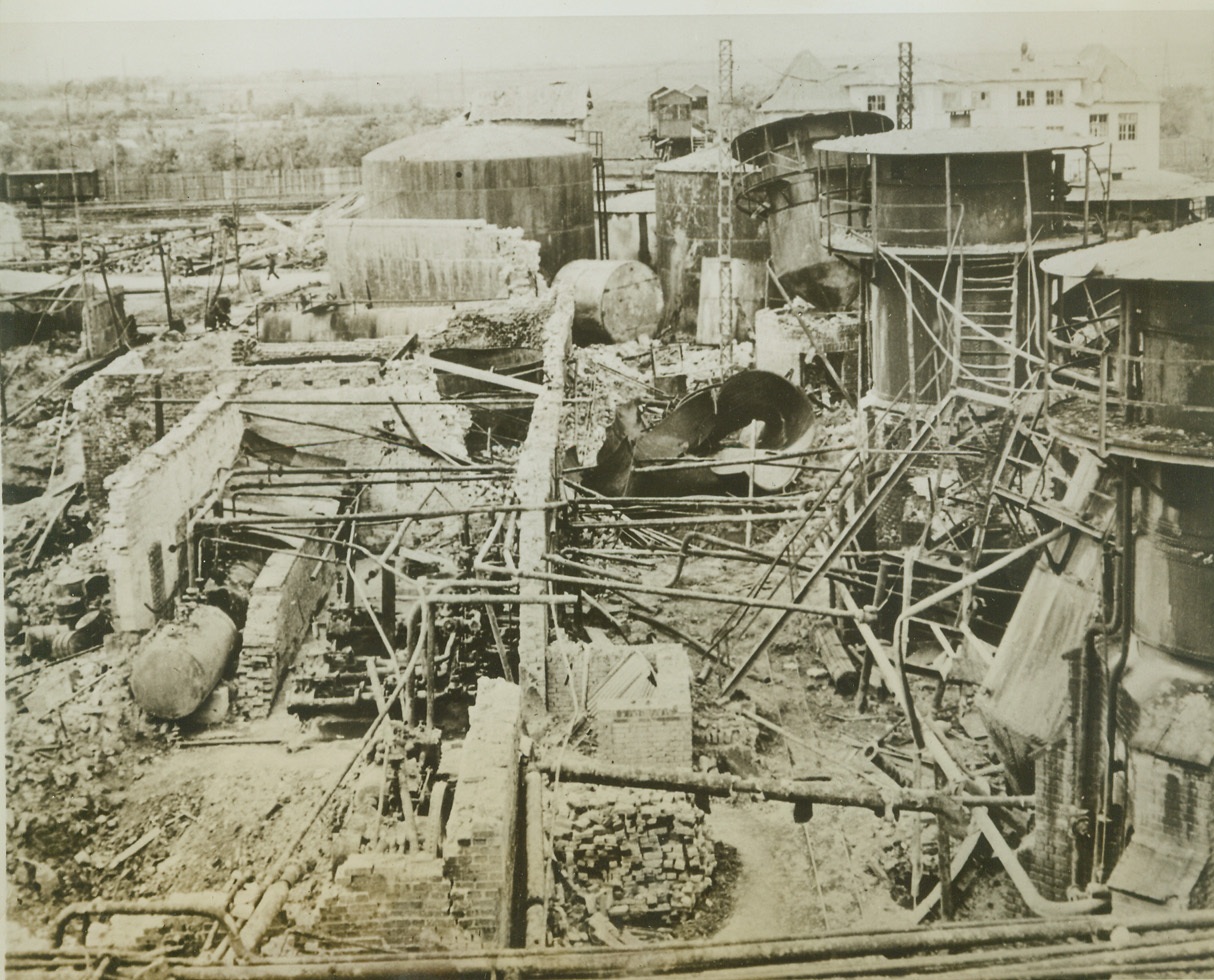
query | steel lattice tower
[906, 89]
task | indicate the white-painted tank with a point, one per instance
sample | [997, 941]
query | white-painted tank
[180, 662]
[614, 300]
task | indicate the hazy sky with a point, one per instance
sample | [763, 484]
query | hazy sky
[53, 40]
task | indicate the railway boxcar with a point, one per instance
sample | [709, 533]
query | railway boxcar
[34, 186]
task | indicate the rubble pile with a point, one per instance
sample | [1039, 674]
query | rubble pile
[639, 856]
[71, 729]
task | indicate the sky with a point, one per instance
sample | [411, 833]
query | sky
[44, 41]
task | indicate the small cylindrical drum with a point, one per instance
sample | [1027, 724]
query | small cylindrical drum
[40, 640]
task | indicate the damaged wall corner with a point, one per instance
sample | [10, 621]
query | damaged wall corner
[285, 596]
[479, 848]
[151, 499]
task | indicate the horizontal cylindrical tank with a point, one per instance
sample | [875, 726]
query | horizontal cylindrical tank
[613, 301]
[1173, 567]
[686, 193]
[1177, 327]
[511, 176]
[180, 662]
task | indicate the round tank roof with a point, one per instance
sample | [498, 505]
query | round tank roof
[707, 160]
[950, 142]
[481, 142]
[1183, 255]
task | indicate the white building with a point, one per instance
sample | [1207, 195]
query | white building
[1094, 94]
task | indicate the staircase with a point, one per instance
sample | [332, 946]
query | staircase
[1068, 484]
[988, 300]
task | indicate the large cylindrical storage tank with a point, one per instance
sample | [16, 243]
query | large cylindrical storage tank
[686, 195]
[180, 662]
[1173, 581]
[613, 301]
[986, 192]
[899, 337]
[785, 184]
[510, 176]
[1176, 320]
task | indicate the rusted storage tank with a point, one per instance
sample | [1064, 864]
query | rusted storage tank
[686, 195]
[781, 185]
[614, 301]
[1176, 320]
[511, 176]
[180, 662]
[1173, 579]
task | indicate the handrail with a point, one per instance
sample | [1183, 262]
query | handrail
[1045, 222]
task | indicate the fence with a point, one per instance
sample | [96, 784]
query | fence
[318, 184]
[1187, 155]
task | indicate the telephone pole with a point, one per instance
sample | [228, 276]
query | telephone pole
[725, 318]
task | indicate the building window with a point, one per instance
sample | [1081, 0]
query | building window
[876, 103]
[1127, 126]
[1053, 96]
[1098, 124]
[984, 97]
[959, 120]
[1026, 96]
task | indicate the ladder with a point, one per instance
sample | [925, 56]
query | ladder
[988, 299]
[1068, 484]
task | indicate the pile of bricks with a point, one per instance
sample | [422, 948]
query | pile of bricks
[639, 855]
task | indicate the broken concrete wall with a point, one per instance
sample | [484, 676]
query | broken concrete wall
[284, 598]
[394, 262]
[103, 320]
[787, 340]
[479, 850]
[150, 501]
[536, 483]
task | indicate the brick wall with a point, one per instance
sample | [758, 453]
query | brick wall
[398, 900]
[656, 732]
[1069, 775]
[284, 598]
[479, 848]
[150, 500]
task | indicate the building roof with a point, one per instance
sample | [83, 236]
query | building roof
[707, 160]
[809, 83]
[953, 142]
[637, 202]
[1111, 78]
[1184, 255]
[551, 102]
[1150, 185]
[477, 142]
